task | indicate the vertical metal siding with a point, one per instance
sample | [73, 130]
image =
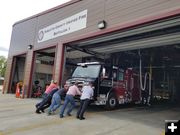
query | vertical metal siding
[22, 35]
[120, 11]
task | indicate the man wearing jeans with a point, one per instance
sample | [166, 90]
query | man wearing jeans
[73, 90]
[46, 102]
[56, 99]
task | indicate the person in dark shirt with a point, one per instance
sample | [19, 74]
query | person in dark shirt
[46, 102]
[56, 99]
[49, 91]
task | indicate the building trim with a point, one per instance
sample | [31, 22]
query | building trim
[48, 11]
[47, 47]
[30, 79]
[10, 77]
[37, 49]
[62, 63]
[55, 59]
[19, 54]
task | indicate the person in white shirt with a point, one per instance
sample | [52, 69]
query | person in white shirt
[86, 96]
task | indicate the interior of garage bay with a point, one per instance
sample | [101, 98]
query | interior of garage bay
[155, 44]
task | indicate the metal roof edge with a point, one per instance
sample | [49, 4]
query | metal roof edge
[47, 11]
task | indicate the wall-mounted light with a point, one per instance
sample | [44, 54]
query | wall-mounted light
[102, 24]
[30, 47]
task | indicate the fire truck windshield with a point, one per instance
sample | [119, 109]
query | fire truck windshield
[90, 71]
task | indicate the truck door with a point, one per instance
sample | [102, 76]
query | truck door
[121, 86]
[105, 81]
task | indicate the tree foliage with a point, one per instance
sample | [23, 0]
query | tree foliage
[3, 64]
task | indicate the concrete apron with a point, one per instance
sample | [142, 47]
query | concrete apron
[18, 117]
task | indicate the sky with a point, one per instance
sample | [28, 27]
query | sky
[12, 11]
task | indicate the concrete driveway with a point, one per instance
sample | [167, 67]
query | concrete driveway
[17, 117]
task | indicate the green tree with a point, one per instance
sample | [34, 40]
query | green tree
[3, 64]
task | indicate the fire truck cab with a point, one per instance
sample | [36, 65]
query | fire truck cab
[112, 85]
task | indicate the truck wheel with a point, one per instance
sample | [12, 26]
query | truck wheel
[111, 103]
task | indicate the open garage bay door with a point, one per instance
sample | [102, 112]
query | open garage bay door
[158, 42]
[160, 33]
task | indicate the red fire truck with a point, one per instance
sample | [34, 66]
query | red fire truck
[112, 85]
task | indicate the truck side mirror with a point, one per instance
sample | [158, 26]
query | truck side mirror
[114, 75]
[103, 72]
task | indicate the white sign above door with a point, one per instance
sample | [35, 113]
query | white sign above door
[63, 27]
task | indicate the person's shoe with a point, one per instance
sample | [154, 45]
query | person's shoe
[38, 112]
[77, 117]
[61, 116]
[53, 112]
[82, 118]
[42, 110]
[69, 114]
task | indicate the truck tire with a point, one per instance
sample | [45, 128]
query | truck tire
[111, 103]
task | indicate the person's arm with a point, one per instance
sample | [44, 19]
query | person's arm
[92, 93]
[55, 86]
[78, 91]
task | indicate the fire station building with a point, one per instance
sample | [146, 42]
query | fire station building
[48, 45]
